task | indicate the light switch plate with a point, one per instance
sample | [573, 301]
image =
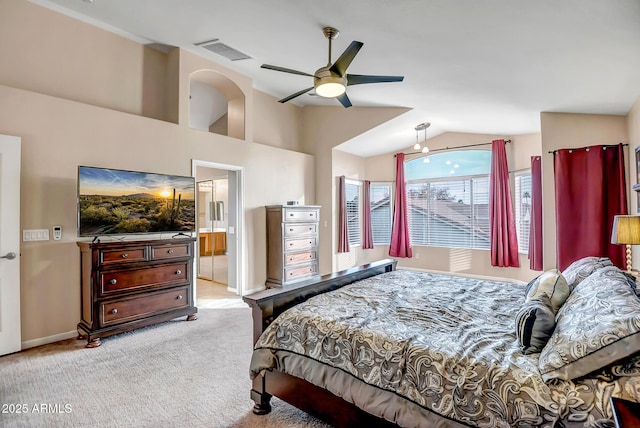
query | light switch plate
[35, 234]
[57, 233]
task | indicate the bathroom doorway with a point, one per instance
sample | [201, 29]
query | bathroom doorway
[212, 228]
[218, 200]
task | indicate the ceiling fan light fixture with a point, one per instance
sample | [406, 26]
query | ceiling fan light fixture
[330, 86]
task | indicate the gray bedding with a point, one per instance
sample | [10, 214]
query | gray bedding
[421, 349]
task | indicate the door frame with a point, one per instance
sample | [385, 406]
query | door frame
[235, 207]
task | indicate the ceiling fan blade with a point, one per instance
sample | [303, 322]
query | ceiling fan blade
[285, 70]
[344, 100]
[360, 79]
[342, 63]
[297, 94]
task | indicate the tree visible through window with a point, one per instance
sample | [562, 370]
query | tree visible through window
[448, 199]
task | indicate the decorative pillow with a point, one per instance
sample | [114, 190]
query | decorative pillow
[535, 322]
[553, 284]
[598, 325]
[577, 271]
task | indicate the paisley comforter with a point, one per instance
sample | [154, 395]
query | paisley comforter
[416, 348]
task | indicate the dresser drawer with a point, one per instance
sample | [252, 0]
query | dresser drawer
[123, 255]
[300, 229]
[295, 258]
[300, 272]
[291, 214]
[131, 279]
[162, 252]
[299, 244]
[116, 312]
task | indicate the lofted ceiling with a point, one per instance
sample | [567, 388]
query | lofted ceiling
[478, 66]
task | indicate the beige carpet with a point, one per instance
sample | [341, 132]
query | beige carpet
[175, 374]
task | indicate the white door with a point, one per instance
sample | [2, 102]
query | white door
[10, 337]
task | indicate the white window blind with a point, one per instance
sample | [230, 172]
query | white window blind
[352, 193]
[449, 213]
[380, 199]
[523, 209]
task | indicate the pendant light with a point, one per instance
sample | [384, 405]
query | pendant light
[418, 128]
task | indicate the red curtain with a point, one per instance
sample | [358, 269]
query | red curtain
[535, 226]
[367, 229]
[504, 241]
[400, 245]
[343, 231]
[590, 190]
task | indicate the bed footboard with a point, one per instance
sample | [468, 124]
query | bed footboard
[266, 306]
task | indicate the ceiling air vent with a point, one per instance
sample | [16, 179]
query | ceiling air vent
[224, 50]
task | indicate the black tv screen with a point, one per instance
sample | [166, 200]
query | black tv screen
[119, 202]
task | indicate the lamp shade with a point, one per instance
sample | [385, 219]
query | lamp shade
[626, 230]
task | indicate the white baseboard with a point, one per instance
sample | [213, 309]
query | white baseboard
[254, 290]
[49, 339]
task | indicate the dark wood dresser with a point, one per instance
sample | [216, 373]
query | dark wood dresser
[292, 243]
[131, 284]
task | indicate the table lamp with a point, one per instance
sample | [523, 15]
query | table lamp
[626, 230]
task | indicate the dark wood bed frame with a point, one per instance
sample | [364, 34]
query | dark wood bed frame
[266, 306]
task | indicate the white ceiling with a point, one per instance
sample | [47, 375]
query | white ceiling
[481, 66]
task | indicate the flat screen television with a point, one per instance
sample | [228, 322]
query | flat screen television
[119, 202]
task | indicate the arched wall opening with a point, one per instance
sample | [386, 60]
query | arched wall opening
[216, 104]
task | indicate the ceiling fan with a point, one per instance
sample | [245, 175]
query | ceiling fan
[331, 81]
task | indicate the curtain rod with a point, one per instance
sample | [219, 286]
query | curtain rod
[453, 148]
[553, 152]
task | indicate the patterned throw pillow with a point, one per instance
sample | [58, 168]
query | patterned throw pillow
[535, 322]
[579, 270]
[598, 325]
[553, 284]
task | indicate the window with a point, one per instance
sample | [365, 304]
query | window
[448, 199]
[352, 194]
[381, 214]
[523, 209]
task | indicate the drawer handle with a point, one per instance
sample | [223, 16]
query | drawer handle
[170, 251]
[310, 214]
[113, 311]
[290, 230]
[310, 256]
[291, 244]
[290, 214]
[113, 281]
[178, 272]
[125, 255]
[179, 297]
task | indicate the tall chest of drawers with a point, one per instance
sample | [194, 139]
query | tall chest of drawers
[131, 284]
[292, 243]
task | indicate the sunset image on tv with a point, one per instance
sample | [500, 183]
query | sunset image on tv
[112, 201]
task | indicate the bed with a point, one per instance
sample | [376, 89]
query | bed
[376, 346]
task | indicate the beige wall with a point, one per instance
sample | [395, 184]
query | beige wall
[47, 52]
[324, 128]
[277, 125]
[567, 130]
